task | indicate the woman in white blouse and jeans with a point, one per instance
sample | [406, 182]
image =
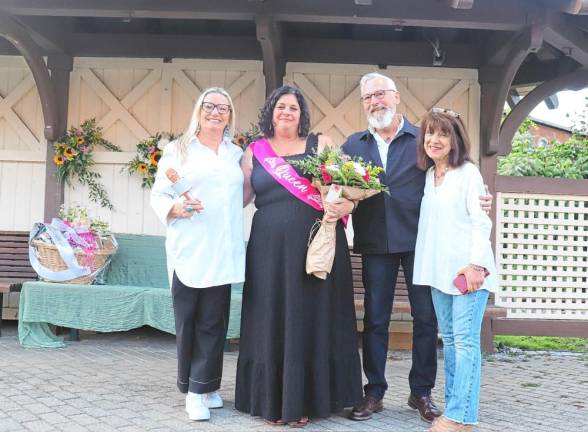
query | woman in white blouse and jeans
[204, 243]
[454, 238]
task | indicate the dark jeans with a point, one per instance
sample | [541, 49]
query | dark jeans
[379, 279]
[202, 318]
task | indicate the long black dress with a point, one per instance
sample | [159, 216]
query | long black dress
[298, 350]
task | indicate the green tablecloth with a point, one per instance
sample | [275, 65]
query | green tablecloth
[135, 294]
[100, 308]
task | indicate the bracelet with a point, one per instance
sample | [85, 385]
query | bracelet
[355, 204]
[477, 267]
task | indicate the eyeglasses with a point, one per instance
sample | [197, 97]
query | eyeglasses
[379, 94]
[221, 108]
[445, 111]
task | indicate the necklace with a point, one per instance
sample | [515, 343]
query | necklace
[441, 174]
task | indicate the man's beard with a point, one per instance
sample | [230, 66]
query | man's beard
[382, 120]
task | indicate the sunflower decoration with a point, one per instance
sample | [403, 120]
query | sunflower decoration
[245, 138]
[149, 151]
[73, 158]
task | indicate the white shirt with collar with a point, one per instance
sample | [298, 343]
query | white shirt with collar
[382, 144]
[207, 249]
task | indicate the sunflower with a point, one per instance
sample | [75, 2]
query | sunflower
[240, 140]
[59, 146]
[154, 157]
[80, 140]
[69, 153]
[142, 168]
[58, 160]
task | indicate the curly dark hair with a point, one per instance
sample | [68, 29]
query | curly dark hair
[267, 111]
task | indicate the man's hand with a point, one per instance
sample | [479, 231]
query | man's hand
[486, 201]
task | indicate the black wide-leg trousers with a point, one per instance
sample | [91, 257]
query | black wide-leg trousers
[202, 318]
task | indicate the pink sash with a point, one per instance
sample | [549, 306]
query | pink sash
[286, 175]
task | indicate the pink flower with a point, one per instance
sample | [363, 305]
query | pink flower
[152, 150]
[366, 176]
[85, 149]
[78, 132]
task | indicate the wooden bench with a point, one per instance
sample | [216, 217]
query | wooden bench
[14, 264]
[401, 331]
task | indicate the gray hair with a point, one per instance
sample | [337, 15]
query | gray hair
[375, 75]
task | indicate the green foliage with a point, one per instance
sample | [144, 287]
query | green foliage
[559, 160]
[73, 157]
[542, 343]
[332, 166]
[149, 152]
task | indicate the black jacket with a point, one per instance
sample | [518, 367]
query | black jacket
[389, 223]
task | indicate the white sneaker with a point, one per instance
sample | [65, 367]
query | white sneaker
[212, 400]
[196, 408]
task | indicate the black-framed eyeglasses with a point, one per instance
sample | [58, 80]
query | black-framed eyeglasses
[378, 94]
[221, 108]
[445, 111]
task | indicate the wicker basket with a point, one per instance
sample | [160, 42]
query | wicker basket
[49, 257]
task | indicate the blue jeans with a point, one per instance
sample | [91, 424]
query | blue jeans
[460, 321]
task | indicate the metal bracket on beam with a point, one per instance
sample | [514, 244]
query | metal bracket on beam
[460, 4]
[496, 79]
[16, 34]
[572, 81]
[269, 35]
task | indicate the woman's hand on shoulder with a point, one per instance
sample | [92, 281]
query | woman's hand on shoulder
[325, 141]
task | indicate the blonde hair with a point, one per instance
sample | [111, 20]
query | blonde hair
[193, 128]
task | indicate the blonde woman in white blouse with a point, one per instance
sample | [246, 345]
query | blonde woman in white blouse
[454, 238]
[204, 243]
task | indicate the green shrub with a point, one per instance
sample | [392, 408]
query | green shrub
[560, 160]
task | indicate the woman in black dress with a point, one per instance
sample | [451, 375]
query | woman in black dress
[298, 351]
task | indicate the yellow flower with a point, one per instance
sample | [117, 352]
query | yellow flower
[154, 157]
[69, 153]
[80, 140]
[59, 146]
[240, 140]
[58, 160]
[142, 168]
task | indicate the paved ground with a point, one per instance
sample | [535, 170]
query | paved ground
[126, 382]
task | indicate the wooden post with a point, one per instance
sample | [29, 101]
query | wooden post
[269, 35]
[60, 66]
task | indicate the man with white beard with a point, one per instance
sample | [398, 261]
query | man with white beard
[385, 229]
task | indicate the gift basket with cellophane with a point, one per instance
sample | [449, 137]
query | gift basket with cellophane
[73, 248]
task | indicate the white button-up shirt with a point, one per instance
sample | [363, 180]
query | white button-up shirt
[207, 249]
[454, 231]
[383, 145]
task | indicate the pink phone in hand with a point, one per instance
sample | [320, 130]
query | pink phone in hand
[462, 285]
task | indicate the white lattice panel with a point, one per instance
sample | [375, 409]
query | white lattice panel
[542, 255]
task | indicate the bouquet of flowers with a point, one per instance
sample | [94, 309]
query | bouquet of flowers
[73, 157]
[149, 152]
[73, 248]
[335, 175]
[250, 135]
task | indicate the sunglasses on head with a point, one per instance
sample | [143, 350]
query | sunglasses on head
[445, 111]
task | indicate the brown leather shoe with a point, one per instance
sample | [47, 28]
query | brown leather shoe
[427, 408]
[366, 408]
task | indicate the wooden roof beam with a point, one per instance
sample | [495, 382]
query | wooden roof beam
[496, 80]
[460, 4]
[572, 81]
[567, 38]
[494, 15]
